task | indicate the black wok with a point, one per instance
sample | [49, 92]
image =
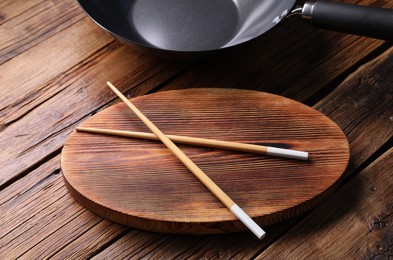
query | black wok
[200, 26]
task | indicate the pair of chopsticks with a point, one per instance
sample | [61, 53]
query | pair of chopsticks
[217, 191]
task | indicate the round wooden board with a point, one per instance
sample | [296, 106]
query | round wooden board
[140, 183]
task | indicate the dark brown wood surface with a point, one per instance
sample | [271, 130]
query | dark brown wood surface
[54, 63]
[141, 184]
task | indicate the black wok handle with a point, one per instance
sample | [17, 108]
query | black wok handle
[354, 19]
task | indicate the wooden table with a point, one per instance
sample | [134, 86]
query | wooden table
[54, 65]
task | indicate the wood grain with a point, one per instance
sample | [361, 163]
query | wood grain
[362, 105]
[364, 216]
[27, 23]
[82, 71]
[50, 85]
[139, 183]
[38, 217]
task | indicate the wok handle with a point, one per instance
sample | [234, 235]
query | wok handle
[372, 22]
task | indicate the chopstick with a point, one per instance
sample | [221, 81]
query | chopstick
[242, 147]
[217, 191]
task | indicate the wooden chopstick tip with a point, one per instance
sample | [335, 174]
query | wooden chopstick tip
[112, 86]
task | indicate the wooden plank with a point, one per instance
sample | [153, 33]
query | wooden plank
[145, 245]
[42, 71]
[87, 243]
[31, 22]
[355, 223]
[362, 106]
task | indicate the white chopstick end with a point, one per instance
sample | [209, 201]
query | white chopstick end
[287, 153]
[247, 221]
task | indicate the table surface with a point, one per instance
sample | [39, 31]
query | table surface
[54, 63]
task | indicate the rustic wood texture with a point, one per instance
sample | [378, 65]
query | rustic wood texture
[53, 73]
[141, 184]
[364, 216]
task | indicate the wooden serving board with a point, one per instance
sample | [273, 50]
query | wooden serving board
[140, 183]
